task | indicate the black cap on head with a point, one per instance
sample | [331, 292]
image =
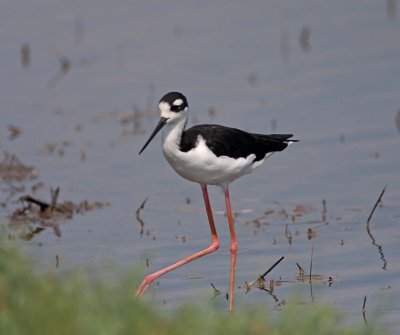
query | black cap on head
[176, 100]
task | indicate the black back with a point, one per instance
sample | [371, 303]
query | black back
[232, 142]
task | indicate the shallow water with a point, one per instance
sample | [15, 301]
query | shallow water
[245, 63]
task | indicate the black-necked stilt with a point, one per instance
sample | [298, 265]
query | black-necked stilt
[209, 155]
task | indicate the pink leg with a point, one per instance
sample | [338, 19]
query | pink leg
[213, 246]
[232, 282]
[233, 248]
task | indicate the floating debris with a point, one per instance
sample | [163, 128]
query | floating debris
[304, 38]
[35, 215]
[324, 210]
[272, 267]
[301, 270]
[260, 281]
[311, 233]
[216, 292]
[137, 213]
[252, 79]
[29, 233]
[25, 55]
[151, 234]
[212, 112]
[312, 256]
[65, 66]
[138, 218]
[288, 234]
[57, 148]
[328, 281]
[135, 119]
[35, 187]
[105, 115]
[301, 210]
[367, 225]
[376, 205]
[180, 238]
[364, 309]
[12, 169]
[15, 132]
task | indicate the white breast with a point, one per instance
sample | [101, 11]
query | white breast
[201, 165]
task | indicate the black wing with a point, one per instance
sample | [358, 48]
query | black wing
[232, 142]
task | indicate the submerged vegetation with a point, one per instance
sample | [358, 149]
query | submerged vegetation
[32, 303]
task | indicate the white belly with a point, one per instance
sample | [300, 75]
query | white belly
[201, 165]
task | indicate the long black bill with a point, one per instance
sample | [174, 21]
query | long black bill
[161, 124]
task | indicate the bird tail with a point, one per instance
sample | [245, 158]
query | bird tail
[284, 138]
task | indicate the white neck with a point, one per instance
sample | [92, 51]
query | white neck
[172, 134]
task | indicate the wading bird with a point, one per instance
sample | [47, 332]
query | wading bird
[209, 154]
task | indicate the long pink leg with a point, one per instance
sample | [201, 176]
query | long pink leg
[233, 248]
[213, 246]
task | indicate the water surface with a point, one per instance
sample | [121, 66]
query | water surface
[337, 91]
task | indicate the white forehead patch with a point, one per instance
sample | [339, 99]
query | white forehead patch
[164, 106]
[178, 102]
